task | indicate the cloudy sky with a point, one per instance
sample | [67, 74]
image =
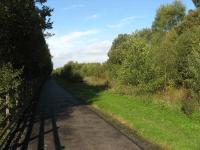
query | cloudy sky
[84, 29]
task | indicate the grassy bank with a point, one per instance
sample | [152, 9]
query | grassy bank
[152, 120]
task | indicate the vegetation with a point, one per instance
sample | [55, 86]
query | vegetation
[150, 117]
[168, 16]
[22, 39]
[151, 79]
[162, 57]
[154, 60]
[196, 3]
[25, 61]
[75, 72]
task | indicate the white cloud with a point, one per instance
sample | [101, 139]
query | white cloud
[74, 6]
[95, 48]
[92, 17]
[125, 21]
[78, 46]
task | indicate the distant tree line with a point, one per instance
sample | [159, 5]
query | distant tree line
[76, 72]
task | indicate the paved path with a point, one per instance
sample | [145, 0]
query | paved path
[62, 123]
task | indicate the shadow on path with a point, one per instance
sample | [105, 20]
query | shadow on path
[60, 122]
[38, 128]
[42, 132]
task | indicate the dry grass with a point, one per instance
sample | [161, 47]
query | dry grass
[96, 81]
[173, 98]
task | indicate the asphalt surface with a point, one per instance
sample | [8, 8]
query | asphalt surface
[61, 122]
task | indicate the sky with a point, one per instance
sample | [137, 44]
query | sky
[84, 29]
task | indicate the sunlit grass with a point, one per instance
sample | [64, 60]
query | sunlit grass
[155, 122]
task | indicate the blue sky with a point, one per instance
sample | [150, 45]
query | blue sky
[84, 29]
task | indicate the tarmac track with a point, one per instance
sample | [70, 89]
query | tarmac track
[61, 122]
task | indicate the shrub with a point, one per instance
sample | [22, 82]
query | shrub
[10, 81]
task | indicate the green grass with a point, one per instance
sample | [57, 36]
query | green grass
[157, 123]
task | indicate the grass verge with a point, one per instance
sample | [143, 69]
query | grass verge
[169, 128]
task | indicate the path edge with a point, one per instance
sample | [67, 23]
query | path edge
[130, 133]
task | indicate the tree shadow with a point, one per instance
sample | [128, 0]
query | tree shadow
[45, 114]
[86, 93]
[39, 121]
[71, 80]
[43, 118]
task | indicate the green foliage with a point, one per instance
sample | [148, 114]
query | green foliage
[188, 62]
[22, 44]
[196, 3]
[145, 34]
[155, 59]
[10, 79]
[21, 37]
[168, 16]
[75, 72]
[162, 61]
[165, 62]
[69, 73]
[10, 83]
[165, 56]
[190, 21]
[117, 49]
[135, 67]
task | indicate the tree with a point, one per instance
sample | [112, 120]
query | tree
[129, 60]
[188, 61]
[165, 56]
[22, 41]
[117, 49]
[116, 54]
[189, 21]
[194, 59]
[145, 34]
[196, 3]
[168, 16]
[134, 69]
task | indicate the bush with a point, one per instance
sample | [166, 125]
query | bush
[75, 72]
[188, 62]
[10, 82]
[10, 79]
[67, 73]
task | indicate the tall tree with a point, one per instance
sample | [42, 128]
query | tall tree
[117, 52]
[168, 16]
[189, 21]
[22, 41]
